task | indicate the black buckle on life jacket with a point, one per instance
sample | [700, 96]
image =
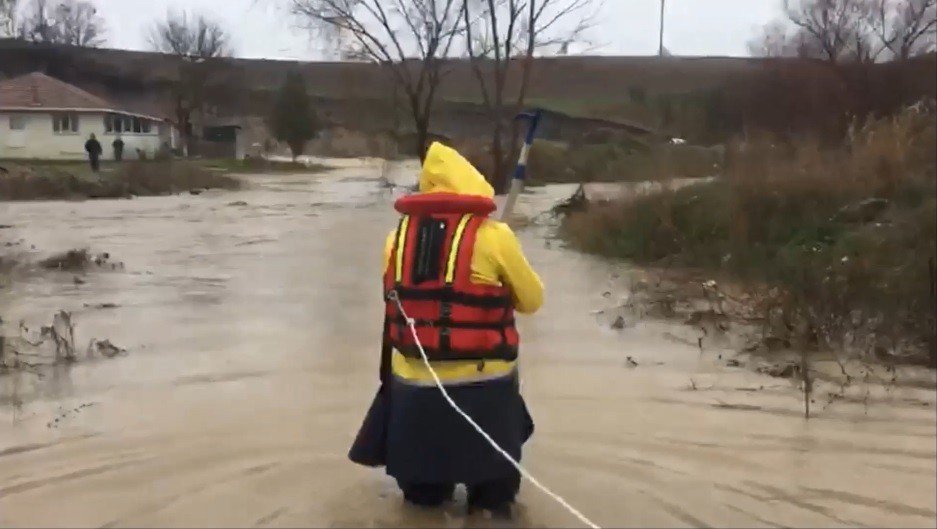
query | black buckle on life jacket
[445, 340]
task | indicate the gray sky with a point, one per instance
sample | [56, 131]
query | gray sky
[626, 27]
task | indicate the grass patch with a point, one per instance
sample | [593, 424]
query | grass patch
[613, 158]
[848, 233]
[623, 160]
[71, 260]
[53, 181]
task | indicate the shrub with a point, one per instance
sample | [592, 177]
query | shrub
[849, 232]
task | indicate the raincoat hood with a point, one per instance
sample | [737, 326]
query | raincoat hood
[446, 171]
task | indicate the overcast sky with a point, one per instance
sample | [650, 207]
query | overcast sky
[626, 27]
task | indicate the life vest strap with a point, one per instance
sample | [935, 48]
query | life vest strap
[492, 326]
[455, 247]
[505, 352]
[448, 295]
[399, 245]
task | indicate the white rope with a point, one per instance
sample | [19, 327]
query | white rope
[556, 497]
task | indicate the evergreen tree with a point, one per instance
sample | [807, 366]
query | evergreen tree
[293, 120]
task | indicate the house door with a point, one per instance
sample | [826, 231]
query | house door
[16, 136]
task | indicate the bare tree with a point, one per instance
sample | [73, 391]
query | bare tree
[410, 38]
[502, 37]
[38, 23]
[72, 22]
[197, 37]
[834, 27]
[774, 40]
[8, 25]
[850, 30]
[905, 27]
[80, 23]
[197, 42]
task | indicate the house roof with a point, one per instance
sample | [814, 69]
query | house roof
[38, 91]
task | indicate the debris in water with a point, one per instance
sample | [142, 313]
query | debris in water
[256, 241]
[78, 281]
[780, 371]
[619, 323]
[78, 260]
[196, 191]
[101, 305]
[62, 332]
[733, 362]
[726, 406]
[104, 348]
[70, 260]
[577, 202]
[63, 414]
[237, 203]
[630, 362]
[54, 344]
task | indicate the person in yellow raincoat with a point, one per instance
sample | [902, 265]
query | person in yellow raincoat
[469, 265]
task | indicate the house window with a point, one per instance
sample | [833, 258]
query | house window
[115, 123]
[65, 123]
[109, 122]
[17, 122]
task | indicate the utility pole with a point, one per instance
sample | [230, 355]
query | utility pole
[660, 50]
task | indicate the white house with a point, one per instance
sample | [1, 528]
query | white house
[44, 118]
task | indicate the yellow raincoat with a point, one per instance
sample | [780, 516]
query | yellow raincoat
[497, 259]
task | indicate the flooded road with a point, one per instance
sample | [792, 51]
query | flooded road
[252, 321]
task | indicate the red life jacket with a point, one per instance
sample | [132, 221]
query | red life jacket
[430, 271]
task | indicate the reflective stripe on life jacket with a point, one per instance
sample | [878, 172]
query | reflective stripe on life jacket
[430, 270]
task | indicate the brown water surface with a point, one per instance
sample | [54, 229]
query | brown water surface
[253, 348]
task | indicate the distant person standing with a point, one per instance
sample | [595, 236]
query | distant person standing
[94, 150]
[118, 148]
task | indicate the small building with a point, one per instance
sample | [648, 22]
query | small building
[223, 140]
[44, 118]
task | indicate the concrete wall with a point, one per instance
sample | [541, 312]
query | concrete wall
[39, 140]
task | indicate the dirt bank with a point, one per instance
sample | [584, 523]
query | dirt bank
[252, 321]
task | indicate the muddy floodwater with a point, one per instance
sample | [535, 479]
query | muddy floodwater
[252, 323]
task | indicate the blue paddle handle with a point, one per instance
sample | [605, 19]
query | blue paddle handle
[520, 171]
[532, 128]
